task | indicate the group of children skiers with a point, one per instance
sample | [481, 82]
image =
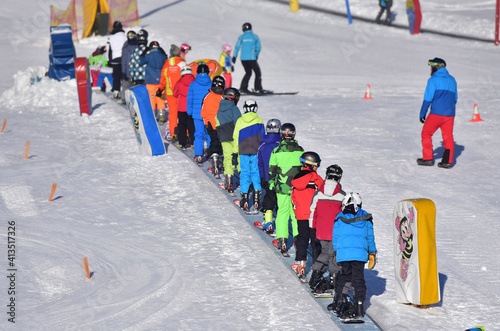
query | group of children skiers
[275, 174]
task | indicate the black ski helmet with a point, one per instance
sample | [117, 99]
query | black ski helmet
[273, 126]
[117, 25]
[219, 81]
[202, 69]
[154, 45]
[144, 33]
[246, 26]
[310, 159]
[287, 131]
[142, 37]
[334, 172]
[232, 94]
[131, 35]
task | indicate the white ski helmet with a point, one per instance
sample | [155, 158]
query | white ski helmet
[352, 199]
[186, 70]
[250, 106]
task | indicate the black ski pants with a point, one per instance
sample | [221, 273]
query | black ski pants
[354, 272]
[249, 66]
[116, 64]
[185, 123]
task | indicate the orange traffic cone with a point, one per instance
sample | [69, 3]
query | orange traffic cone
[368, 94]
[476, 117]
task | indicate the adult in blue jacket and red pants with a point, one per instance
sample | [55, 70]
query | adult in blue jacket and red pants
[249, 43]
[441, 95]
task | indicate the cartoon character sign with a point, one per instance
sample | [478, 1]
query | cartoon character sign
[405, 240]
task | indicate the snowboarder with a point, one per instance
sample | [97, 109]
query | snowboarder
[250, 46]
[247, 136]
[304, 185]
[284, 164]
[441, 95]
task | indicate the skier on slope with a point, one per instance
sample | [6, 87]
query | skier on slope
[186, 123]
[247, 136]
[227, 116]
[170, 75]
[127, 51]
[354, 243]
[114, 46]
[269, 142]
[197, 91]
[325, 205]
[250, 46]
[208, 112]
[304, 185]
[284, 164]
[137, 71]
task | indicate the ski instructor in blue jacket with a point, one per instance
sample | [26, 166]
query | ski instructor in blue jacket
[250, 48]
[441, 95]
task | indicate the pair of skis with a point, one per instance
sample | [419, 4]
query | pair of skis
[268, 92]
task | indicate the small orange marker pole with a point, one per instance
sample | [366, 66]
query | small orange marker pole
[54, 186]
[86, 264]
[4, 124]
[27, 149]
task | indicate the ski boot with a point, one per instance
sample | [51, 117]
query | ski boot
[315, 279]
[199, 160]
[244, 202]
[256, 201]
[215, 165]
[445, 161]
[281, 245]
[339, 305]
[268, 222]
[229, 184]
[301, 271]
[161, 116]
[354, 313]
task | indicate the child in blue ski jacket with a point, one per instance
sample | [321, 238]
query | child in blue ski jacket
[196, 93]
[353, 241]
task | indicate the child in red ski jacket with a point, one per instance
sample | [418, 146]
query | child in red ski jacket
[325, 205]
[304, 184]
[186, 123]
